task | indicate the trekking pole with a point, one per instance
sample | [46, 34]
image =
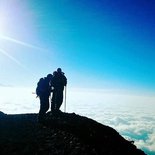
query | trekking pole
[65, 99]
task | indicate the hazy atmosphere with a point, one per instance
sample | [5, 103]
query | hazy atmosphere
[106, 49]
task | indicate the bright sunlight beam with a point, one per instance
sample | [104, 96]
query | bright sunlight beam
[12, 58]
[2, 25]
[9, 16]
[21, 43]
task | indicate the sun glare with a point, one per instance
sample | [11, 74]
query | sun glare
[3, 18]
[2, 25]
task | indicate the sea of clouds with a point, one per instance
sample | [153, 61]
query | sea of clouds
[132, 115]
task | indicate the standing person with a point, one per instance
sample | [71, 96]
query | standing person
[43, 90]
[59, 81]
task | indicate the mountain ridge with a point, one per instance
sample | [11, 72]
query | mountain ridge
[60, 134]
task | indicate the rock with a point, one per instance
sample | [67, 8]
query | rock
[60, 134]
[2, 114]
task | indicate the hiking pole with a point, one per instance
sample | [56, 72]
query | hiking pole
[65, 99]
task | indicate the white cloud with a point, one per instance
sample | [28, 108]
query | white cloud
[131, 115]
[18, 100]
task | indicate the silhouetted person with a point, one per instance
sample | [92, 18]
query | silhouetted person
[59, 80]
[43, 90]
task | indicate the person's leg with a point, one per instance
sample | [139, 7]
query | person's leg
[53, 101]
[41, 111]
[44, 106]
[59, 99]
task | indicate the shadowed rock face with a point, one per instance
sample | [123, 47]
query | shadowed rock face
[60, 134]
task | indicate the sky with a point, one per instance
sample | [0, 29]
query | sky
[106, 49]
[98, 44]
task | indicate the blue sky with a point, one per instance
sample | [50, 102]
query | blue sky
[98, 44]
[105, 44]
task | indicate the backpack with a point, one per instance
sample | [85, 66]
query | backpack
[40, 87]
[43, 87]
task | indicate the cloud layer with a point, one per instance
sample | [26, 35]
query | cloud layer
[131, 115]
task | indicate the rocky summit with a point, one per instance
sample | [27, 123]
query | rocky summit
[60, 134]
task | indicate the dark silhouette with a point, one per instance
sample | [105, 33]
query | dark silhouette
[59, 80]
[43, 91]
[64, 134]
[40, 87]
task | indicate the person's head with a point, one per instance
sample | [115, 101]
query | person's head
[59, 70]
[49, 77]
[54, 73]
